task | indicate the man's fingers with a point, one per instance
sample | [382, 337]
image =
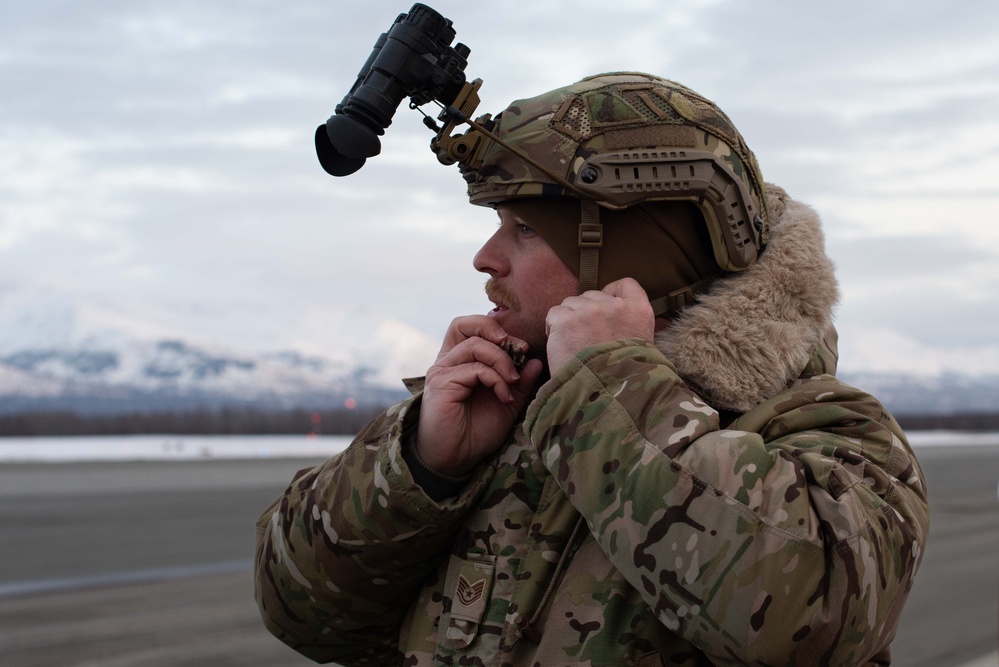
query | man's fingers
[626, 288]
[476, 326]
[620, 310]
[464, 379]
[529, 376]
[477, 350]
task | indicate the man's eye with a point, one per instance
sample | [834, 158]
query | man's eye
[525, 230]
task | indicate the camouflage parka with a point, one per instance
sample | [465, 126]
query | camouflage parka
[715, 498]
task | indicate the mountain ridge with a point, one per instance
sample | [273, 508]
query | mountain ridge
[60, 352]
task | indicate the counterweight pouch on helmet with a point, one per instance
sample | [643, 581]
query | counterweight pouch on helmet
[468, 586]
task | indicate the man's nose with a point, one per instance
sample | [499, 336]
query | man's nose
[491, 258]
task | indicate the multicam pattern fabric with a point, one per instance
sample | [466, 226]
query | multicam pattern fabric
[627, 521]
[562, 127]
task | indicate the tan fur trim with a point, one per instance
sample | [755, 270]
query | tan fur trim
[750, 336]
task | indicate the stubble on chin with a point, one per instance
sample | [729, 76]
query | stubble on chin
[534, 335]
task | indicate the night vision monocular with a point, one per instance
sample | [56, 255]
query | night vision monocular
[413, 59]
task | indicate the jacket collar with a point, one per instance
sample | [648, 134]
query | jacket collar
[754, 333]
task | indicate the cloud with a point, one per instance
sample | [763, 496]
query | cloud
[162, 153]
[888, 351]
[937, 291]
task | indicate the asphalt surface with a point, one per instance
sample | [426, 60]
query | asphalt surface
[149, 563]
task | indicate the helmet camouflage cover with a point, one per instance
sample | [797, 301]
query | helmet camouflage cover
[623, 139]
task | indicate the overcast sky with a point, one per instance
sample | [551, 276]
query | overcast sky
[158, 156]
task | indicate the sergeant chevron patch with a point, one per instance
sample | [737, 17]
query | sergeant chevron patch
[467, 593]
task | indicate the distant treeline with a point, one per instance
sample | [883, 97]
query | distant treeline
[339, 421]
[221, 421]
[971, 421]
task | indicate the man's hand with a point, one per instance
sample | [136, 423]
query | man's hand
[472, 396]
[620, 310]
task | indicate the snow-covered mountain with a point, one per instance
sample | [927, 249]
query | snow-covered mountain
[59, 351]
[948, 393]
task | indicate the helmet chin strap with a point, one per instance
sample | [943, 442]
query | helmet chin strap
[591, 239]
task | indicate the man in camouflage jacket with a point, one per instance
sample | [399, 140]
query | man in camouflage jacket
[691, 490]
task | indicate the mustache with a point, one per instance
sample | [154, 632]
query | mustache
[497, 293]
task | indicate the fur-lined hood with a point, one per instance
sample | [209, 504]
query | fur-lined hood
[751, 335]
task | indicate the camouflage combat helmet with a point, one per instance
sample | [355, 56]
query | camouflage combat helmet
[620, 140]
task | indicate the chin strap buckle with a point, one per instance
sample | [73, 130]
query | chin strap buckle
[678, 299]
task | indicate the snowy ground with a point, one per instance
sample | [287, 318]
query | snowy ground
[193, 447]
[167, 447]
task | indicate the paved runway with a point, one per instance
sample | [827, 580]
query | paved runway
[149, 563]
